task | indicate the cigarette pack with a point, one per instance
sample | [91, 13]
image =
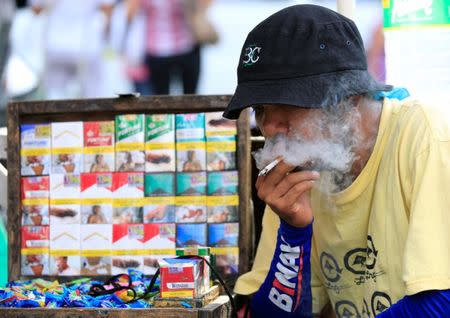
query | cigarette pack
[159, 184]
[159, 242]
[191, 200]
[96, 198]
[220, 153]
[128, 197]
[159, 238]
[202, 251]
[190, 127]
[227, 261]
[35, 149]
[34, 250]
[99, 146]
[35, 264]
[67, 147]
[159, 209]
[223, 235]
[130, 142]
[65, 249]
[191, 235]
[35, 200]
[191, 184]
[64, 199]
[159, 204]
[96, 244]
[127, 247]
[191, 156]
[160, 143]
[222, 200]
[216, 125]
[182, 278]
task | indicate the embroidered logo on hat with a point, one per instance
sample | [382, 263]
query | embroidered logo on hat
[251, 55]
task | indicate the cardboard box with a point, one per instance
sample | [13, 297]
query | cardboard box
[130, 142]
[96, 198]
[159, 242]
[191, 235]
[221, 153]
[35, 200]
[216, 125]
[64, 199]
[67, 147]
[96, 244]
[191, 156]
[35, 149]
[181, 278]
[190, 127]
[65, 249]
[127, 247]
[128, 197]
[34, 250]
[99, 150]
[160, 143]
[223, 235]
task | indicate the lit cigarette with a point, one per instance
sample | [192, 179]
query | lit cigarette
[264, 171]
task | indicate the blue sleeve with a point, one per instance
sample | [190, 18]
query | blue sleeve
[286, 291]
[433, 303]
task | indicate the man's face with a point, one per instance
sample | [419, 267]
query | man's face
[291, 121]
[314, 139]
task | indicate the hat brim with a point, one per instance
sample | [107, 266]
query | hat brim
[314, 91]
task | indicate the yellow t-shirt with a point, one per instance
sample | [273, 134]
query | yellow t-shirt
[388, 234]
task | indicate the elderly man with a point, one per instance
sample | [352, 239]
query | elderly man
[358, 217]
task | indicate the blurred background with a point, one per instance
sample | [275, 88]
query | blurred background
[60, 49]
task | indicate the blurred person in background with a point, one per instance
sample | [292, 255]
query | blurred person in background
[74, 39]
[172, 49]
[7, 8]
[127, 36]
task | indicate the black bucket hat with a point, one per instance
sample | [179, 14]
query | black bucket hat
[304, 55]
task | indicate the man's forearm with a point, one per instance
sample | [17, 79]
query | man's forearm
[287, 288]
[432, 303]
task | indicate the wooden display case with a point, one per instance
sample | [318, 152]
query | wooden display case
[34, 112]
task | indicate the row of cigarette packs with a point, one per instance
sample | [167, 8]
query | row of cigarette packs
[138, 142]
[104, 249]
[130, 197]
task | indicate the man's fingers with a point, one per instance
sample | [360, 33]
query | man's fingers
[292, 179]
[293, 195]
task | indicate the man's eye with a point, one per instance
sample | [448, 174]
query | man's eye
[259, 110]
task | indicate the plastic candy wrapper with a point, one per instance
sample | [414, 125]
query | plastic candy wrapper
[78, 293]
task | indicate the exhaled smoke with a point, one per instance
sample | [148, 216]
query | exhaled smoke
[330, 151]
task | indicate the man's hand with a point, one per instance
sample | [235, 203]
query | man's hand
[287, 193]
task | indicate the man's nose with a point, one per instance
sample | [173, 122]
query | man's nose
[275, 123]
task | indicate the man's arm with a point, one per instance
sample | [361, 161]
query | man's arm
[428, 304]
[286, 289]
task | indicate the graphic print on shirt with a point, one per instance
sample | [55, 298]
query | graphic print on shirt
[346, 309]
[287, 277]
[332, 272]
[380, 302]
[361, 262]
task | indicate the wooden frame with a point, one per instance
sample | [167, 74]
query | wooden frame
[105, 109]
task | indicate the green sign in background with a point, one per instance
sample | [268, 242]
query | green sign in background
[416, 13]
